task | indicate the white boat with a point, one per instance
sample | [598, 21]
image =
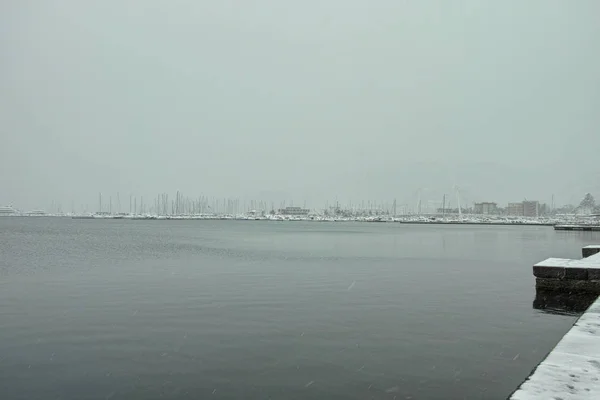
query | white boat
[7, 211]
[36, 213]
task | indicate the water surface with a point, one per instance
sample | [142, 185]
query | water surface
[116, 309]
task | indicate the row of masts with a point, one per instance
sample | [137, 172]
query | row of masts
[163, 204]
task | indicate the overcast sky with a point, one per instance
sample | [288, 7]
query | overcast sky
[299, 100]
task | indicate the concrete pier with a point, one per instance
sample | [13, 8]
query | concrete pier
[586, 228]
[562, 303]
[572, 370]
[590, 250]
[561, 274]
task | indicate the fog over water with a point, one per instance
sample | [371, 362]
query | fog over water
[304, 101]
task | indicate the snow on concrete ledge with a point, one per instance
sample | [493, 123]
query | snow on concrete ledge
[572, 370]
[592, 261]
[563, 268]
[557, 263]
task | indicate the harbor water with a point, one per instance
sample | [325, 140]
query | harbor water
[118, 309]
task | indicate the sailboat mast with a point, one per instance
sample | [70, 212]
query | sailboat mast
[458, 202]
[444, 206]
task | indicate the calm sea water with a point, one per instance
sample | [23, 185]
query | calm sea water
[264, 310]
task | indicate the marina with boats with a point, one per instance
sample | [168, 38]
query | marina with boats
[584, 217]
[562, 223]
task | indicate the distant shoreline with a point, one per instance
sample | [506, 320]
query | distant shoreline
[279, 218]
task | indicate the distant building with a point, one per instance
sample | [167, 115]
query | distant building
[294, 211]
[447, 210]
[531, 208]
[515, 209]
[485, 208]
[524, 209]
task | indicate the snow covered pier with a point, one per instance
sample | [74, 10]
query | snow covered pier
[586, 228]
[572, 370]
[590, 250]
[565, 275]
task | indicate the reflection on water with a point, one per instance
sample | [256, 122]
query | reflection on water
[552, 302]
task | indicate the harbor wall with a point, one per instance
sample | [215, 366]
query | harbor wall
[572, 369]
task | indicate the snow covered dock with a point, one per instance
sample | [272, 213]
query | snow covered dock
[561, 274]
[588, 227]
[590, 250]
[572, 370]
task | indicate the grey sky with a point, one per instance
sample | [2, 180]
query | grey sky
[303, 100]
